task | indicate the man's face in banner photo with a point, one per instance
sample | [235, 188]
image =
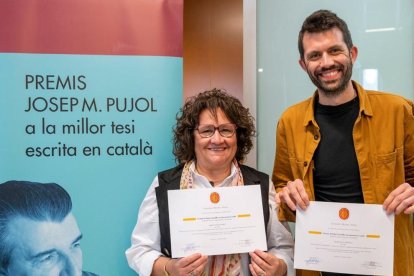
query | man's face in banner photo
[39, 235]
[45, 247]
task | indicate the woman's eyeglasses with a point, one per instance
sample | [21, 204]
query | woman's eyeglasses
[225, 130]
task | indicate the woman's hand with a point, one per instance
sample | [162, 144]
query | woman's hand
[191, 265]
[264, 263]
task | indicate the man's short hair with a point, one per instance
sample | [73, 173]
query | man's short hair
[35, 201]
[321, 21]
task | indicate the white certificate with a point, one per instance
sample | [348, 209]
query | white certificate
[344, 237]
[216, 221]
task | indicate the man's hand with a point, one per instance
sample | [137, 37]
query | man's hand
[293, 193]
[263, 263]
[400, 200]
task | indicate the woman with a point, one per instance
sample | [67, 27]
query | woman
[212, 136]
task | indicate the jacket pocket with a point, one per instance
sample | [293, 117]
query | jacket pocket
[388, 170]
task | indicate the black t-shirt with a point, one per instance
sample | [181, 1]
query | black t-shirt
[336, 171]
[336, 174]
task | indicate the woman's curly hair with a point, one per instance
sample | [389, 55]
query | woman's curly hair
[188, 118]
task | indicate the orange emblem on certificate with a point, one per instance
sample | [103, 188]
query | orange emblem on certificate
[344, 213]
[214, 197]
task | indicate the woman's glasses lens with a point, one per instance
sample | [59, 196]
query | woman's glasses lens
[225, 130]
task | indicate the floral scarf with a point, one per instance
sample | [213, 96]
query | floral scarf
[219, 264]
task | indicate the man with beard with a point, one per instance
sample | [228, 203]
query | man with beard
[346, 144]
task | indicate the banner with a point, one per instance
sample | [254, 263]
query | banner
[89, 93]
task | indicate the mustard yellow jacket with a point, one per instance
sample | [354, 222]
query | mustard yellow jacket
[384, 144]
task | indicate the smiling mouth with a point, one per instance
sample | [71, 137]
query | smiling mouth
[216, 149]
[330, 75]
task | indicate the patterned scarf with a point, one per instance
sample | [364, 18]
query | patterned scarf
[217, 265]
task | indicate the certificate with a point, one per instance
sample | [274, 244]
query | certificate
[344, 237]
[216, 221]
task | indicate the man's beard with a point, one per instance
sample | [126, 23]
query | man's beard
[333, 91]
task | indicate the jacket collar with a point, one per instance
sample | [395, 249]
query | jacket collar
[364, 105]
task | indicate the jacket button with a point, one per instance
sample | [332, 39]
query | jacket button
[305, 163]
[316, 137]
